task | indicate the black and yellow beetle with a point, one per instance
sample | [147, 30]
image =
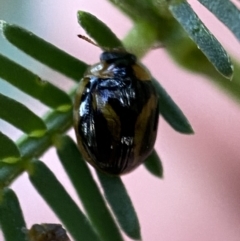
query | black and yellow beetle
[116, 113]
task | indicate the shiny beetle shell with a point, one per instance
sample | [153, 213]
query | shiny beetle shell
[116, 113]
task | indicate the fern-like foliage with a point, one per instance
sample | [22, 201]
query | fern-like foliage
[172, 23]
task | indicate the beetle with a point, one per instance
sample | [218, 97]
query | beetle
[116, 113]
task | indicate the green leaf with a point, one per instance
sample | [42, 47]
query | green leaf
[205, 41]
[171, 112]
[33, 85]
[98, 30]
[34, 147]
[56, 122]
[87, 189]
[8, 172]
[9, 152]
[43, 51]
[11, 217]
[154, 164]
[121, 204]
[226, 12]
[60, 202]
[134, 41]
[18, 115]
[139, 10]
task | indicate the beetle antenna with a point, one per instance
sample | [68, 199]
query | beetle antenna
[91, 42]
[87, 39]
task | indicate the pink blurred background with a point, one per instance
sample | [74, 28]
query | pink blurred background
[199, 197]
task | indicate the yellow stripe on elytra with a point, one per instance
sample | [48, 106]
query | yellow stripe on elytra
[141, 125]
[141, 73]
[113, 121]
